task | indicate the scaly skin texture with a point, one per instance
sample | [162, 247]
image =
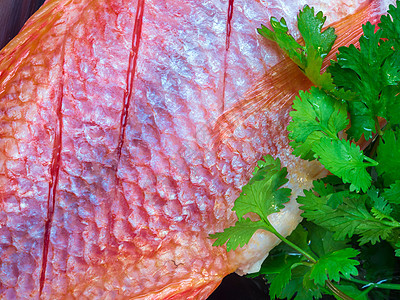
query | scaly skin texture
[122, 146]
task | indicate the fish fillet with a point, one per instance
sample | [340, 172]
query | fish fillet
[127, 131]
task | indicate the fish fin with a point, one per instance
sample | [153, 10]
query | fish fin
[276, 89]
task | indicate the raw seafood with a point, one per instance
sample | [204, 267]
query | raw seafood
[126, 135]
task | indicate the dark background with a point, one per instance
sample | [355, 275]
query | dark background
[13, 14]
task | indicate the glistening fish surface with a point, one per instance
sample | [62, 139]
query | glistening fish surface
[127, 131]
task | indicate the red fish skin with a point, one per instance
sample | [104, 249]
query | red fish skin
[110, 180]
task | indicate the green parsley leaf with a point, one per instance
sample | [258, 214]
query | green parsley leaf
[283, 255]
[310, 26]
[299, 237]
[300, 286]
[321, 240]
[263, 194]
[351, 290]
[346, 161]
[343, 94]
[351, 217]
[238, 235]
[268, 165]
[356, 199]
[392, 194]
[397, 250]
[334, 198]
[315, 115]
[313, 71]
[304, 149]
[362, 121]
[388, 156]
[330, 266]
[284, 40]
[371, 71]
[278, 259]
[390, 99]
[390, 71]
[318, 43]
[390, 25]
[322, 189]
[381, 208]
[282, 260]
[280, 281]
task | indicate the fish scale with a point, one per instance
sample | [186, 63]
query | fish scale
[113, 167]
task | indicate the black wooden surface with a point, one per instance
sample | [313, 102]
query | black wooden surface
[13, 15]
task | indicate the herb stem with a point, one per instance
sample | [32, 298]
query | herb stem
[375, 146]
[337, 291]
[392, 223]
[388, 286]
[378, 127]
[330, 134]
[294, 246]
[372, 162]
[365, 292]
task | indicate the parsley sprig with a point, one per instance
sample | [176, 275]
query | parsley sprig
[263, 196]
[317, 43]
[356, 207]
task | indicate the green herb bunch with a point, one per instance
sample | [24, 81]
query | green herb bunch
[347, 214]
